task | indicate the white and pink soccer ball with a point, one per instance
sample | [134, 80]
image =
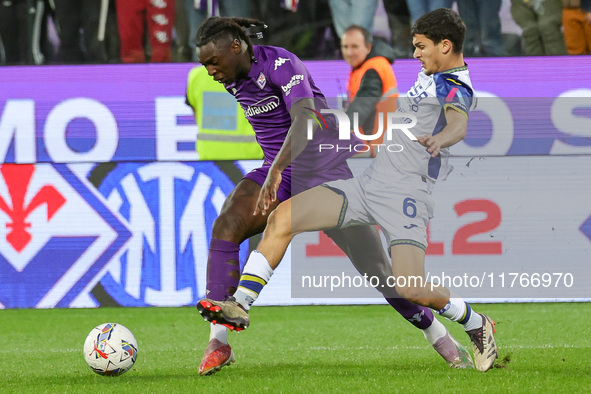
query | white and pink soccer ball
[110, 349]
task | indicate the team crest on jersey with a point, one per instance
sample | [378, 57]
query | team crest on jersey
[261, 80]
[280, 61]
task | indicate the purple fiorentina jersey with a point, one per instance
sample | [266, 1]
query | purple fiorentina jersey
[275, 82]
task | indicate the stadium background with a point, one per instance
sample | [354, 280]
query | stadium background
[102, 200]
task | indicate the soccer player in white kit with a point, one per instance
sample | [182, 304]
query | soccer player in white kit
[394, 192]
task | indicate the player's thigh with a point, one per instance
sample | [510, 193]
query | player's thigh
[403, 216]
[236, 221]
[315, 209]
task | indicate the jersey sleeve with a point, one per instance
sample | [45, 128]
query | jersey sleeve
[290, 75]
[454, 93]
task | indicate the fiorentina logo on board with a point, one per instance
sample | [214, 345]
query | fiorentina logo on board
[56, 234]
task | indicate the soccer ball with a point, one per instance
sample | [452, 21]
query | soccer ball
[110, 349]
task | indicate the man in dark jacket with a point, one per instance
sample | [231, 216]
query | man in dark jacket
[372, 86]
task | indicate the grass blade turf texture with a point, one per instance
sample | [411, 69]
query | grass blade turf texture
[543, 348]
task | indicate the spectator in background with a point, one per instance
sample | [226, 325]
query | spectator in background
[372, 86]
[399, 22]
[576, 19]
[541, 22]
[78, 28]
[13, 30]
[112, 43]
[133, 17]
[483, 34]
[182, 47]
[418, 8]
[303, 28]
[23, 32]
[352, 12]
[199, 10]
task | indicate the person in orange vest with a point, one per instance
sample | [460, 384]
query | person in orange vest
[372, 87]
[576, 22]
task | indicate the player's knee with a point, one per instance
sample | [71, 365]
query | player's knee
[412, 293]
[229, 227]
[279, 223]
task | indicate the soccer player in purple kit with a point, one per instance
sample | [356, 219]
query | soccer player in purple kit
[276, 90]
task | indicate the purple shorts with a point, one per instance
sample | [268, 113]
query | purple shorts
[289, 187]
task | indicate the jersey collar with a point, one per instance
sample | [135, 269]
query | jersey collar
[455, 69]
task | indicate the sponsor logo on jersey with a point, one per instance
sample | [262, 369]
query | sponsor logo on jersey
[280, 61]
[261, 80]
[295, 80]
[263, 106]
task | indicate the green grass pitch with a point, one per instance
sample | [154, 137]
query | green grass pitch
[315, 349]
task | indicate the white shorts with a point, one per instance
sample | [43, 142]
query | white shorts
[402, 210]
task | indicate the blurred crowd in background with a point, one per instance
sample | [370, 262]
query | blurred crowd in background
[137, 31]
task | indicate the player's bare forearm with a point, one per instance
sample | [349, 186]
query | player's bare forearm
[295, 142]
[296, 139]
[454, 132]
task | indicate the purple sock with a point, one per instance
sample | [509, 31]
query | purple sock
[223, 269]
[419, 316]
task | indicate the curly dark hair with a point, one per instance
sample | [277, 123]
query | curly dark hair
[217, 28]
[440, 24]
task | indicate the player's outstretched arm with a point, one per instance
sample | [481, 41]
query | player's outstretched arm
[295, 142]
[454, 132]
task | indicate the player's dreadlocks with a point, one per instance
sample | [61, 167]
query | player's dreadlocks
[216, 28]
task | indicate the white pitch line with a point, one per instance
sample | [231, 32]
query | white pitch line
[20, 351]
[336, 348]
[545, 346]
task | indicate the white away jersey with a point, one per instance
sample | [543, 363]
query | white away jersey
[428, 99]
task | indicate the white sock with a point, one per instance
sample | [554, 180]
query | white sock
[218, 332]
[255, 275]
[454, 310]
[460, 311]
[435, 331]
[475, 321]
